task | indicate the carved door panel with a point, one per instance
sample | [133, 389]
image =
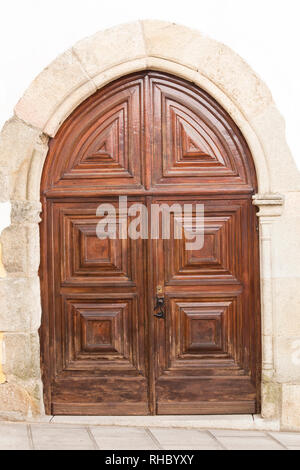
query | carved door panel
[204, 354]
[99, 315]
[192, 143]
[155, 139]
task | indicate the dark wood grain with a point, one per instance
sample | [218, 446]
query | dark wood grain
[157, 139]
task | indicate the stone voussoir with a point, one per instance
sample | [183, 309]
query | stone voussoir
[64, 76]
[17, 140]
[213, 59]
[112, 47]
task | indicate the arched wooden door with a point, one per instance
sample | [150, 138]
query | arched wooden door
[156, 139]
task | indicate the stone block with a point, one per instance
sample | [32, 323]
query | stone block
[286, 247]
[290, 413]
[16, 143]
[269, 126]
[211, 58]
[4, 184]
[64, 76]
[112, 47]
[22, 356]
[14, 437]
[50, 437]
[271, 395]
[14, 401]
[287, 354]
[287, 306]
[21, 253]
[26, 212]
[20, 305]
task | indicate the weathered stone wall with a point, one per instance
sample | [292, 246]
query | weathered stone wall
[61, 87]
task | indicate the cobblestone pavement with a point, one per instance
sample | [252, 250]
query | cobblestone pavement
[49, 436]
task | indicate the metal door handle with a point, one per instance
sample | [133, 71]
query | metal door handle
[160, 306]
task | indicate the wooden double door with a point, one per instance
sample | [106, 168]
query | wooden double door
[145, 326]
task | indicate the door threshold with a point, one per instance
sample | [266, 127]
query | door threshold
[235, 422]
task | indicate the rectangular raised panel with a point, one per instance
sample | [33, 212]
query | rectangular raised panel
[88, 259]
[94, 251]
[203, 351]
[207, 408]
[100, 330]
[106, 396]
[100, 334]
[218, 259]
[203, 330]
[98, 312]
[93, 257]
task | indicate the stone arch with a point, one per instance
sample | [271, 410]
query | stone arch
[56, 92]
